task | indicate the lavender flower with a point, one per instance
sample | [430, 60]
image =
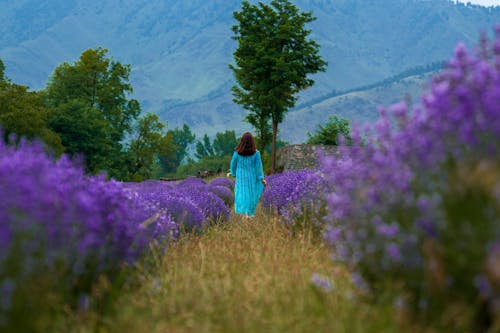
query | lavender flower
[222, 192]
[223, 182]
[57, 221]
[322, 283]
[407, 168]
[290, 192]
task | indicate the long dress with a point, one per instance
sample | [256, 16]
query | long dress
[249, 173]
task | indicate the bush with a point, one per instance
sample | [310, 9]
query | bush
[335, 130]
[414, 205]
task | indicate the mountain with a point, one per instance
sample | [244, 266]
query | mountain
[180, 50]
[359, 105]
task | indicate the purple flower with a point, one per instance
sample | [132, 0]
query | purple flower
[388, 230]
[222, 192]
[322, 283]
[223, 182]
[290, 192]
[408, 167]
[393, 252]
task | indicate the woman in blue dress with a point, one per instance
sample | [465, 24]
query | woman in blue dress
[246, 166]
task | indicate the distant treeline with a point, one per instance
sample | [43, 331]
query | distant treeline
[86, 112]
[418, 70]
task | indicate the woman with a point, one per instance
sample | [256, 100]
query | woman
[246, 166]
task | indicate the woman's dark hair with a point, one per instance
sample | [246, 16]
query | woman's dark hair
[246, 147]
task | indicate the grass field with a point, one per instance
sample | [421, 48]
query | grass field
[241, 276]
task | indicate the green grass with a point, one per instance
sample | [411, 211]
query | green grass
[241, 276]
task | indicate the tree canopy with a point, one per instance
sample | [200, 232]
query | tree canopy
[23, 114]
[93, 109]
[86, 111]
[222, 146]
[150, 141]
[182, 138]
[272, 63]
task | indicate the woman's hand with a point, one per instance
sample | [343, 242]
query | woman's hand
[264, 182]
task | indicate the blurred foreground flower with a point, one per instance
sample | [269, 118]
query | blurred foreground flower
[414, 203]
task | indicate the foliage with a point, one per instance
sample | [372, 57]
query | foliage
[23, 114]
[214, 164]
[272, 63]
[100, 88]
[182, 138]
[212, 156]
[335, 130]
[2, 71]
[84, 133]
[280, 143]
[224, 143]
[266, 154]
[415, 209]
[222, 146]
[204, 148]
[149, 143]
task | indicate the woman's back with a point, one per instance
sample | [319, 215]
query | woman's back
[249, 174]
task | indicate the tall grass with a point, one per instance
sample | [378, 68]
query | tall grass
[241, 276]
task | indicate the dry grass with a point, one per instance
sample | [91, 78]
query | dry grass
[243, 276]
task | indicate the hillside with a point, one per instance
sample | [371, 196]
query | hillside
[359, 105]
[180, 50]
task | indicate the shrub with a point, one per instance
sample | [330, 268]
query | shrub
[335, 130]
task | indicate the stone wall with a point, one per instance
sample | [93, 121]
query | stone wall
[297, 157]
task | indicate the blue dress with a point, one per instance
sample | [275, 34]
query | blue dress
[249, 173]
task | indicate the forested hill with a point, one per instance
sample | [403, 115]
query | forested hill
[180, 50]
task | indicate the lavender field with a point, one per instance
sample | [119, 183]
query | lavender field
[410, 212]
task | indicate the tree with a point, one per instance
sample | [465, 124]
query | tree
[149, 143]
[182, 138]
[222, 146]
[23, 113]
[96, 88]
[204, 148]
[224, 143]
[330, 134]
[272, 63]
[83, 131]
[2, 71]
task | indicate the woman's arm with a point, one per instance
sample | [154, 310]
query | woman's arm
[234, 164]
[260, 168]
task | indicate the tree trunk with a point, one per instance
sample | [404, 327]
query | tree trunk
[273, 145]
